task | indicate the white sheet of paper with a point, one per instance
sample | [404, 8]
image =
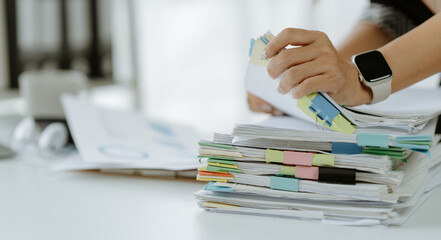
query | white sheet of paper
[126, 138]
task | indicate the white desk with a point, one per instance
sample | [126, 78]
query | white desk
[36, 203]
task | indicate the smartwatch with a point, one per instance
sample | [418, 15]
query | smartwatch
[375, 73]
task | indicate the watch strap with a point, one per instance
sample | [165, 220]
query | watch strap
[380, 91]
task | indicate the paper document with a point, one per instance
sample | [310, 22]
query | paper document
[110, 137]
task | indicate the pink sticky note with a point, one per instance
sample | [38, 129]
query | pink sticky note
[297, 158]
[307, 172]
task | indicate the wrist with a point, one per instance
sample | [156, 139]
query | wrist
[363, 93]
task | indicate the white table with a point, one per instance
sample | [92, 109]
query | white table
[36, 203]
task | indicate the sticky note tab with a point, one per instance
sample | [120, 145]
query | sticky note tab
[209, 204]
[297, 158]
[251, 46]
[288, 170]
[325, 160]
[212, 187]
[339, 123]
[222, 165]
[283, 183]
[345, 148]
[221, 169]
[256, 53]
[373, 140]
[274, 156]
[337, 175]
[324, 109]
[215, 145]
[311, 173]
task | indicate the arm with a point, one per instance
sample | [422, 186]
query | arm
[415, 55]
[364, 37]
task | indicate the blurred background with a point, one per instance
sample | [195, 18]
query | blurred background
[181, 60]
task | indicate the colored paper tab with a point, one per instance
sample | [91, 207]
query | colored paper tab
[256, 53]
[209, 204]
[345, 148]
[337, 175]
[212, 187]
[297, 158]
[373, 140]
[222, 169]
[222, 165]
[325, 160]
[288, 170]
[216, 145]
[324, 109]
[311, 173]
[339, 124]
[274, 156]
[283, 183]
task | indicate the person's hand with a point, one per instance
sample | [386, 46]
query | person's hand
[258, 105]
[314, 66]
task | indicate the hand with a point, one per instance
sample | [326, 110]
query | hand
[258, 105]
[314, 66]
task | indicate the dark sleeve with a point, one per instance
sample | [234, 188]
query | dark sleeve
[396, 17]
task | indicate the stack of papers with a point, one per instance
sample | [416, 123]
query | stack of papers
[370, 166]
[273, 174]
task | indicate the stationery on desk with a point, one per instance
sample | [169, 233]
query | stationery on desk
[127, 143]
[368, 166]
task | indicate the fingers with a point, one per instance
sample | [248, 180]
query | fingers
[318, 83]
[291, 36]
[288, 58]
[295, 75]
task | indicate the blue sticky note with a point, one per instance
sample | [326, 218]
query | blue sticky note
[251, 46]
[373, 140]
[211, 187]
[413, 138]
[345, 148]
[324, 109]
[264, 40]
[284, 183]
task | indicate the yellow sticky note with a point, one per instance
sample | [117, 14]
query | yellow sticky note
[288, 170]
[223, 153]
[209, 204]
[274, 156]
[222, 165]
[323, 160]
[211, 179]
[256, 53]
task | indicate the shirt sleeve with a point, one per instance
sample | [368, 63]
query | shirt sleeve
[391, 20]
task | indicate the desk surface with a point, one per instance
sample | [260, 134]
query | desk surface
[36, 203]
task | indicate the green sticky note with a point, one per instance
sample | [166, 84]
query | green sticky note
[275, 156]
[323, 160]
[216, 145]
[220, 169]
[288, 170]
[214, 160]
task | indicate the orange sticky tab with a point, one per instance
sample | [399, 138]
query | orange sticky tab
[297, 158]
[217, 174]
[310, 173]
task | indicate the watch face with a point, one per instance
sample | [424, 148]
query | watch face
[373, 66]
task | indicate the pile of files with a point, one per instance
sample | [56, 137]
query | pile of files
[360, 166]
